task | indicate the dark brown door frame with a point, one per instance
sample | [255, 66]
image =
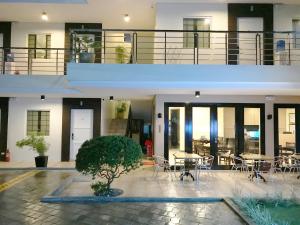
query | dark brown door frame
[239, 121]
[3, 128]
[68, 41]
[236, 11]
[78, 103]
[297, 126]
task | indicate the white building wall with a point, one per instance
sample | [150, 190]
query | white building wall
[52, 66]
[269, 124]
[170, 16]
[17, 122]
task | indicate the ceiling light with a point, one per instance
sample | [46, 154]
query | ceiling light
[197, 94]
[43, 97]
[44, 16]
[126, 18]
[207, 21]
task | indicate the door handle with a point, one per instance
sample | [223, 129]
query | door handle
[72, 136]
[216, 140]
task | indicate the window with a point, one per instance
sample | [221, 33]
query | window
[296, 29]
[39, 41]
[189, 40]
[38, 122]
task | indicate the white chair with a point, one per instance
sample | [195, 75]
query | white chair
[205, 163]
[239, 164]
[161, 163]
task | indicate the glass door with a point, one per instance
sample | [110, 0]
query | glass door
[201, 123]
[226, 135]
[285, 127]
[176, 131]
[252, 130]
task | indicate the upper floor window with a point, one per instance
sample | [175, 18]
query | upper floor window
[190, 39]
[296, 29]
[42, 41]
[38, 122]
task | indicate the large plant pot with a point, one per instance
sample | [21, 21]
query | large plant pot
[41, 161]
[86, 57]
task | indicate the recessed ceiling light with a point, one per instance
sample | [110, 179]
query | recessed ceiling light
[44, 16]
[43, 97]
[197, 94]
[126, 18]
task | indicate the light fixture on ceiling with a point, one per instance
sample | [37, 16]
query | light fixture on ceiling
[126, 18]
[43, 97]
[270, 97]
[197, 94]
[207, 20]
[44, 16]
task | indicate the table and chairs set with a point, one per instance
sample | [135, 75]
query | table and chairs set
[188, 164]
[260, 165]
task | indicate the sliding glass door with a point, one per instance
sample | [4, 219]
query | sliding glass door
[221, 130]
[286, 129]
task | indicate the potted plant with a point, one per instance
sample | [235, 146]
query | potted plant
[121, 54]
[86, 49]
[38, 144]
[106, 158]
[121, 108]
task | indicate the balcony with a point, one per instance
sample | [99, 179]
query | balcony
[115, 46]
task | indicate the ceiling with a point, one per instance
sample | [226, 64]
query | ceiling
[108, 12]
[297, 2]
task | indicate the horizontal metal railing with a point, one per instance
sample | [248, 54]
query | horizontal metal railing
[36, 61]
[115, 46]
[191, 47]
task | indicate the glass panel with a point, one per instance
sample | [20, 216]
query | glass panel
[176, 137]
[252, 131]
[226, 134]
[201, 130]
[296, 29]
[286, 130]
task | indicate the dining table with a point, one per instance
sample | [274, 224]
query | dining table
[260, 163]
[183, 157]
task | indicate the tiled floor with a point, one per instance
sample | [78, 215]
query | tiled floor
[142, 183]
[58, 165]
[21, 205]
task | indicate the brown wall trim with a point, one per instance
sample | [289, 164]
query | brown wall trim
[5, 29]
[244, 10]
[3, 128]
[68, 44]
[78, 103]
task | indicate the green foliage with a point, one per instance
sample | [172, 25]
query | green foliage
[121, 54]
[107, 158]
[37, 143]
[85, 43]
[122, 107]
[256, 210]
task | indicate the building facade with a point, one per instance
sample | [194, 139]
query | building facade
[243, 58]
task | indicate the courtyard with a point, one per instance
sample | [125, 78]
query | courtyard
[21, 192]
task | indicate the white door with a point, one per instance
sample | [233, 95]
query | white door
[247, 41]
[81, 129]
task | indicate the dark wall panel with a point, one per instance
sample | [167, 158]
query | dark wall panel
[3, 126]
[78, 103]
[250, 10]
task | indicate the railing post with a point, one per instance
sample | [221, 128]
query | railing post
[29, 62]
[3, 61]
[134, 48]
[56, 61]
[256, 51]
[290, 63]
[104, 46]
[165, 47]
[196, 49]
[259, 44]
[226, 49]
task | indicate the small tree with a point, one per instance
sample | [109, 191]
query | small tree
[37, 143]
[107, 158]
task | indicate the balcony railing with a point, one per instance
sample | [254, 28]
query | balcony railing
[115, 46]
